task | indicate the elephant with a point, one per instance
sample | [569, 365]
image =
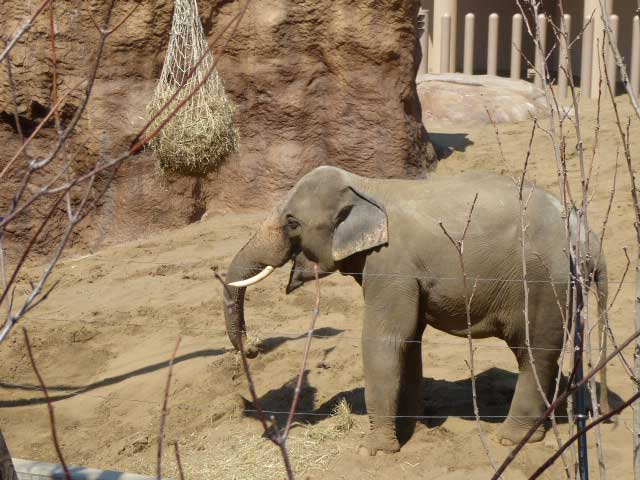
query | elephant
[386, 234]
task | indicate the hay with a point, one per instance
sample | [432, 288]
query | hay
[202, 134]
[254, 457]
[251, 456]
[342, 415]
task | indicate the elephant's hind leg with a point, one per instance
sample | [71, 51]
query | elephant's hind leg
[528, 403]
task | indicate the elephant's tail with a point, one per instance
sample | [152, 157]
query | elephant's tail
[601, 283]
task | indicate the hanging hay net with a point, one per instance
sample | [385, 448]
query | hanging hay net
[201, 134]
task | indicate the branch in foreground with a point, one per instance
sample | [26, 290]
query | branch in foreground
[572, 388]
[579, 433]
[459, 246]
[90, 176]
[165, 410]
[178, 461]
[52, 420]
[619, 61]
[22, 30]
[277, 436]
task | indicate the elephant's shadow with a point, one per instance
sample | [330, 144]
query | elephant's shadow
[268, 345]
[442, 399]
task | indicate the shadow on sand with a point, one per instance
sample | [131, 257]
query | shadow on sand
[69, 390]
[442, 399]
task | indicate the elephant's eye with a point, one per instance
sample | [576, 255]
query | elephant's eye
[292, 223]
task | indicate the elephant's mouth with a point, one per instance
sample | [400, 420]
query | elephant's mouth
[295, 281]
[302, 271]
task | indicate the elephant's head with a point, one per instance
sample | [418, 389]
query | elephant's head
[325, 219]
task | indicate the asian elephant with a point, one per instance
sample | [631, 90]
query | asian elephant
[386, 235]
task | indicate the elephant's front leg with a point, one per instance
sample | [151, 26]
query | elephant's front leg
[392, 361]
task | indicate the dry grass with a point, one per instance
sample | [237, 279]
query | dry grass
[254, 457]
[342, 416]
[202, 134]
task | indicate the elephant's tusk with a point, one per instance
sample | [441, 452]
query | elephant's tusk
[255, 279]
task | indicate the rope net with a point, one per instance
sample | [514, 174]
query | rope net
[202, 133]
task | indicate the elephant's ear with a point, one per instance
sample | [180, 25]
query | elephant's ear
[362, 225]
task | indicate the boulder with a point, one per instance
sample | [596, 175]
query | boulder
[465, 99]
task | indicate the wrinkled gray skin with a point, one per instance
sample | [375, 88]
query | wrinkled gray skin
[368, 228]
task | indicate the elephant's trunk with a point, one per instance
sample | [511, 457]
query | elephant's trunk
[269, 247]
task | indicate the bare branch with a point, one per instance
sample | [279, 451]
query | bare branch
[307, 348]
[619, 61]
[45, 392]
[165, 410]
[572, 388]
[459, 246]
[178, 461]
[24, 29]
[582, 432]
[124, 19]
[274, 432]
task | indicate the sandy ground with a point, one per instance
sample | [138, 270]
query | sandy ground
[103, 339]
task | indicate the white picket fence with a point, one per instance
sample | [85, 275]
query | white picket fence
[516, 55]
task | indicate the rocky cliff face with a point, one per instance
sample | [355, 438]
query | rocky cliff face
[315, 82]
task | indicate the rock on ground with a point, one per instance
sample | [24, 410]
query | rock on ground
[465, 99]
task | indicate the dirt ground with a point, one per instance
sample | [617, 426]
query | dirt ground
[103, 339]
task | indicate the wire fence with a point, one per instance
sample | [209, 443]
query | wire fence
[298, 413]
[70, 391]
[377, 274]
[5, 404]
[302, 335]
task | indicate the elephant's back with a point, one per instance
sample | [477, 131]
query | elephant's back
[496, 220]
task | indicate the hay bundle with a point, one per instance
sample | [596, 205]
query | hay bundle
[201, 135]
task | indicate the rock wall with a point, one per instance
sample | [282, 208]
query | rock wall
[315, 82]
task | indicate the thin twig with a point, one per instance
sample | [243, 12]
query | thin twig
[619, 61]
[178, 461]
[459, 246]
[24, 29]
[52, 419]
[540, 470]
[14, 98]
[165, 410]
[572, 388]
[307, 348]
[42, 123]
[497, 132]
[273, 433]
[85, 207]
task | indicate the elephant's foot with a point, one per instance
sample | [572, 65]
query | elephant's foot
[512, 431]
[377, 442]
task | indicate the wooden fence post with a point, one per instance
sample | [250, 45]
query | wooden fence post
[635, 56]
[423, 31]
[564, 59]
[492, 45]
[469, 31]
[541, 67]
[587, 58]
[516, 46]
[612, 68]
[445, 52]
